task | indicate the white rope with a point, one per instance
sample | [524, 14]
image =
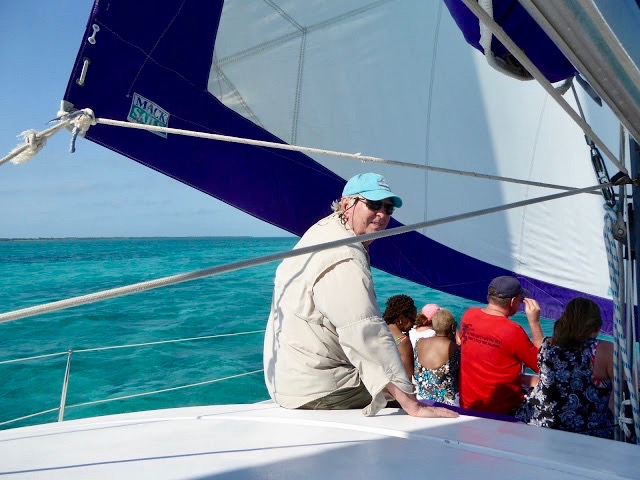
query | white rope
[83, 119]
[33, 144]
[34, 141]
[297, 148]
[181, 387]
[184, 277]
[125, 397]
[13, 420]
[130, 345]
[486, 35]
[621, 353]
[35, 357]
[177, 340]
[533, 70]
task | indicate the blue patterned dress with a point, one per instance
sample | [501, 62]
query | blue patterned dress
[567, 397]
[440, 384]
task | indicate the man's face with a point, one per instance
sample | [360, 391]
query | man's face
[367, 216]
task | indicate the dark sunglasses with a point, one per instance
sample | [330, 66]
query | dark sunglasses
[376, 205]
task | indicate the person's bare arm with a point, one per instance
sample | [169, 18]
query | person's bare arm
[532, 310]
[604, 357]
[603, 367]
[406, 354]
[529, 381]
[410, 405]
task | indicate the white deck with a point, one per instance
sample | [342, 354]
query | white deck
[264, 441]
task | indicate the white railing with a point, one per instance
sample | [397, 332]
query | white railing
[65, 382]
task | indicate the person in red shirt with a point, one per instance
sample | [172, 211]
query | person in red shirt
[493, 348]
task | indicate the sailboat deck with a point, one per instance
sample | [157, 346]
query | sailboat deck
[265, 441]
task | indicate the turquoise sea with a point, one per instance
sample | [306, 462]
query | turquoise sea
[40, 271]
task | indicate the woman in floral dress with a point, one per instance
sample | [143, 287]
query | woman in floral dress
[576, 372]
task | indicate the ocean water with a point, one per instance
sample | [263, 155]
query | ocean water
[40, 271]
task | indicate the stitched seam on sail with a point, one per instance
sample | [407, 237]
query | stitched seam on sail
[222, 78]
[296, 108]
[526, 194]
[271, 44]
[429, 98]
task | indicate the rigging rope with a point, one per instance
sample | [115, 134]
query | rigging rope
[131, 345]
[184, 277]
[486, 36]
[320, 151]
[35, 141]
[599, 167]
[125, 397]
[164, 390]
[83, 119]
[621, 346]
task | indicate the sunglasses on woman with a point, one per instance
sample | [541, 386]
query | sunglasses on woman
[376, 205]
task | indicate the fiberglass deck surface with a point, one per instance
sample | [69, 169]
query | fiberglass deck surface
[262, 441]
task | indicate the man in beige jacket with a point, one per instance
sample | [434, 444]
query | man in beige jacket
[326, 345]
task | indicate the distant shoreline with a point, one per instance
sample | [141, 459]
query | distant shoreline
[39, 239]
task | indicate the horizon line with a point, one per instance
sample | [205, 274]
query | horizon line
[8, 239]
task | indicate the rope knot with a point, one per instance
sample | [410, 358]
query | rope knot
[34, 144]
[83, 119]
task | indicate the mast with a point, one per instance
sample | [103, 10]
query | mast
[634, 159]
[634, 229]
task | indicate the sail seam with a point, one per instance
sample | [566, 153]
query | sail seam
[276, 42]
[284, 14]
[148, 55]
[296, 107]
[222, 78]
[526, 192]
[429, 100]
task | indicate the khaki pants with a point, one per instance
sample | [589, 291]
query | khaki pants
[343, 399]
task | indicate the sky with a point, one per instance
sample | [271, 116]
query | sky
[93, 192]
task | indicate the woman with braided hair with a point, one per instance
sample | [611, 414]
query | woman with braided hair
[576, 372]
[400, 316]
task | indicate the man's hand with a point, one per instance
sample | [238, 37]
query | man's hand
[410, 405]
[431, 412]
[532, 310]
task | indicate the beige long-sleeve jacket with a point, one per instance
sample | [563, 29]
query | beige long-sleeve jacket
[325, 330]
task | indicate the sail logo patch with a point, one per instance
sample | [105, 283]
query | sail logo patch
[145, 111]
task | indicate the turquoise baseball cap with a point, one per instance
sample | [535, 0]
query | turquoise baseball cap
[372, 187]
